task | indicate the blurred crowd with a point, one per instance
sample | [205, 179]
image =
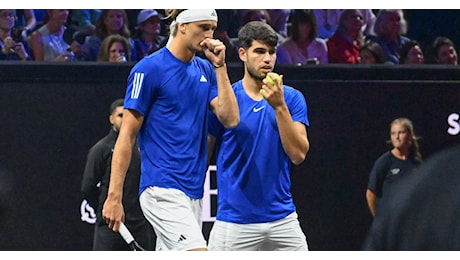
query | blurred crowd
[306, 36]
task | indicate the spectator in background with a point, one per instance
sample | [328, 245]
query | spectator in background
[85, 20]
[411, 53]
[148, 38]
[328, 21]
[343, 46]
[371, 53]
[444, 51]
[114, 48]
[303, 46]
[229, 21]
[111, 21]
[13, 46]
[259, 15]
[279, 20]
[390, 27]
[47, 42]
[26, 22]
[393, 165]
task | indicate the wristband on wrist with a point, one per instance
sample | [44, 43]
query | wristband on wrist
[218, 66]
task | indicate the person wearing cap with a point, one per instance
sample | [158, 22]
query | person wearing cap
[168, 98]
[147, 37]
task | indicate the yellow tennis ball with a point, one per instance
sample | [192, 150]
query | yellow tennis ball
[272, 75]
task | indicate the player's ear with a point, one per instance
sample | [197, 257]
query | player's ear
[242, 54]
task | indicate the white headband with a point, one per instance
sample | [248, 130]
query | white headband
[195, 15]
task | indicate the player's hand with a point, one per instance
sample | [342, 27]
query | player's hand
[214, 51]
[113, 214]
[272, 90]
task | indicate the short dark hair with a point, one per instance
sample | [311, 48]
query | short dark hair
[117, 103]
[404, 52]
[257, 31]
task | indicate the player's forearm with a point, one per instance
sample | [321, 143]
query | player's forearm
[120, 163]
[293, 136]
[227, 107]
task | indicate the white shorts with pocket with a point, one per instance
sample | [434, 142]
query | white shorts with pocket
[281, 235]
[175, 217]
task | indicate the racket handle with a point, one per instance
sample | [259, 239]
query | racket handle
[124, 232]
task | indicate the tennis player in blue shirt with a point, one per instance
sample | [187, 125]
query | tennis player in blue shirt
[255, 208]
[168, 98]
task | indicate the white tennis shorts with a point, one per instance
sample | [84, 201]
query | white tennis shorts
[175, 217]
[281, 235]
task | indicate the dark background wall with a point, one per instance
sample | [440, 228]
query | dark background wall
[50, 114]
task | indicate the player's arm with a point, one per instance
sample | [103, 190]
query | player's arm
[371, 198]
[113, 208]
[225, 105]
[293, 135]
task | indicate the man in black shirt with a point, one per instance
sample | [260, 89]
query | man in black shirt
[95, 186]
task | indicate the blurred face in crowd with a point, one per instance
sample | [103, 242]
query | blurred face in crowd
[116, 51]
[59, 15]
[353, 22]
[415, 56]
[367, 57]
[447, 55]
[114, 20]
[393, 23]
[7, 19]
[304, 30]
[258, 16]
[152, 26]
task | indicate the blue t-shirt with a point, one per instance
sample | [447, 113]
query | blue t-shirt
[173, 96]
[253, 170]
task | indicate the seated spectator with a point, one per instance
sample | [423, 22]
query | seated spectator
[111, 21]
[26, 22]
[302, 46]
[231, 45]
[411, 53]
[444, 51]
[259, 15]
[114, 48]
[371, 53]
[84, 20]
[390, 27]
[13, 45]
[148, 38]
[280, 20]
[343, 46]
[328, 21]
[47, 42]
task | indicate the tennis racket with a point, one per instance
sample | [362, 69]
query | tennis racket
[128, 237]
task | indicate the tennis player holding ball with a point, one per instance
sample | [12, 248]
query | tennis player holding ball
[255, 208]
[168, 98]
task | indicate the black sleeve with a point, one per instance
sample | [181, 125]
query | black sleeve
[94, 169]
